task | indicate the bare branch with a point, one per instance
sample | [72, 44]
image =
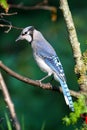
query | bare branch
[36, 7]
[8, 23]
[80, 68]
[3, 25]
[40, 6]
[36, 83]
[9, 103]
[7, 14]
[24, 79]
[10, 27]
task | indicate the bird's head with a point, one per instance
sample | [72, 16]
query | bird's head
[27, 34]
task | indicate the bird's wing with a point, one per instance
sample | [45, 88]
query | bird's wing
[56, 66]
[54, 63]
[48, 54]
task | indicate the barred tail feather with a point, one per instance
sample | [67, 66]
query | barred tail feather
[67, 95]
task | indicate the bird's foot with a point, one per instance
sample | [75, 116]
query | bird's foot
[39, 82]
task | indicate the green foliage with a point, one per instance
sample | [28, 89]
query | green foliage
[8, 122]
[80, 108]
[4, 5]
[83, 127]
[43, 126]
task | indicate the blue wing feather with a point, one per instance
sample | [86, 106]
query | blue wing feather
[56, 66]
[48, 54]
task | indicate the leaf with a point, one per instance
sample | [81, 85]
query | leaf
[8, 122]
[66, 120]
[80, 108]
[4, 5]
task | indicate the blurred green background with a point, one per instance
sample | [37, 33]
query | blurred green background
[39, 109]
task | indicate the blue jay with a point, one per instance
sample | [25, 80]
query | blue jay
[47, 59]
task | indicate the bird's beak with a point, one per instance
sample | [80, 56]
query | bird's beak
[19, 38]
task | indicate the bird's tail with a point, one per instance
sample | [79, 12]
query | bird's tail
[67, 95]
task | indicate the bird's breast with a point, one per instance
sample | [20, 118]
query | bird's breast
[41, 63]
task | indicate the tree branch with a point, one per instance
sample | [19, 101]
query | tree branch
[40, 6]
[80, 67]
[9, 103]
[7, 14]
[36, 7]
[36, 83]
[25, 79]
[10, 26]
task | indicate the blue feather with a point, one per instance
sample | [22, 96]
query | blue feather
[56, 66]
[67, 95]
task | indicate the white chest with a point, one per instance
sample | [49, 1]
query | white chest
[44, 67]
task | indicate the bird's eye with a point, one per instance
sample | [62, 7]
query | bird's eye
[24, 33]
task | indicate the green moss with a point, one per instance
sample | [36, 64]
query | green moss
[85, 58]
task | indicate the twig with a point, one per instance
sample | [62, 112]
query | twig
[6, 21]
[3, 25]
[36, 83]
[39, 6]
[7, 14]
[10, 26]
[80, 68]
[36, 7]
[9, 103]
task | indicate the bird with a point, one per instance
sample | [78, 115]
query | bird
[47, 59]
